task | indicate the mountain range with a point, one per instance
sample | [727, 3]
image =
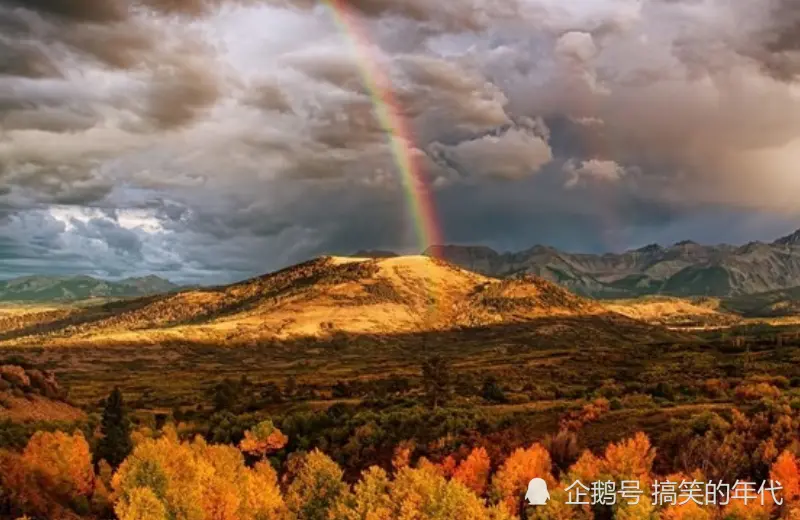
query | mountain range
[75, 288]
[683, 269]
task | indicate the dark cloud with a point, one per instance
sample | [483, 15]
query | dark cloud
[782, 40]
[180, 92]
[122, 240]
[75, 10]
[218, 139]
[267, 96]
[48, 119]
[25, 60]
[118, 45]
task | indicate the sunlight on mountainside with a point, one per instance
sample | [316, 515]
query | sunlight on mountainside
[317, 298]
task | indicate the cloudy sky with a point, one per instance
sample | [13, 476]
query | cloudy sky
[207, 141]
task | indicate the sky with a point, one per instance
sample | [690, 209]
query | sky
[208, 141]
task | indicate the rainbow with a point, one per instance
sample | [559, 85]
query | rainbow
[389, 116]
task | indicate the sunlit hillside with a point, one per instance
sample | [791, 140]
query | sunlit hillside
[317, 299]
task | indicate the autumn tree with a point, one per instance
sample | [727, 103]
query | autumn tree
[786, 470]
[511, 480]
[53, 474]
[115, 427]
[370, 498]
[315, 486]
[194, 480]
[424, 494]
[473, 471]
[263, 439]
[142, 504]
[687, 510]
[631, 459]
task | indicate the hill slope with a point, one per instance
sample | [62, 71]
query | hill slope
[683, 269]
[676, 312]
[75, 288]
[318, 298]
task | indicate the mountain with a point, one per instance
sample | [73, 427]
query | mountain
[791, 240]
[323, 297]
[74, 288]
[683, 269]
[785, 302]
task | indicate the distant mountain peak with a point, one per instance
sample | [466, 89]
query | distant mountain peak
[789, 240]
[650, 248]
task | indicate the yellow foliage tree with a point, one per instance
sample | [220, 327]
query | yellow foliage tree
[423, 494]
[370, 499]
[631, 459]
[315, 486]
[195, 481]
[142, 504]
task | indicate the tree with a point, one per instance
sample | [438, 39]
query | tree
[491, 390]
[511, 480]
[194, 481]
[786, 471]
[631, 459]
[425, 495]
[370, 498]
[473, 471]
[316, 485]
[225, 395]
[436, 380]
[53, 474]
[263, 439]
[116, 443]
[142, 504]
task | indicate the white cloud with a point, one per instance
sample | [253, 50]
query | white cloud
[513, 154]
[593, 170]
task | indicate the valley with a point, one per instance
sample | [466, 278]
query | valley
[362, 357]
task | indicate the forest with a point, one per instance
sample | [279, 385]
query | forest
[438, 445]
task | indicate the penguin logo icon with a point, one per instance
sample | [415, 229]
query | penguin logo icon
[537, 494]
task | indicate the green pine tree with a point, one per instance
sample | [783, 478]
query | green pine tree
[116, 429]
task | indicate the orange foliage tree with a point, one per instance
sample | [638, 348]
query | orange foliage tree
[511, 480]
[263, 439]
[473, 471]
[53, 474]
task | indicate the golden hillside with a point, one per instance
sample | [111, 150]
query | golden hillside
[317, 298]
[676, 312]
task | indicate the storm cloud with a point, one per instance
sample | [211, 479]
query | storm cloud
[209, 140]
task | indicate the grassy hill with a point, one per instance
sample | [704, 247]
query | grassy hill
[676, 312]
[315, 299]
